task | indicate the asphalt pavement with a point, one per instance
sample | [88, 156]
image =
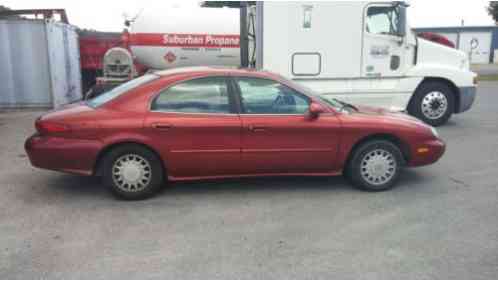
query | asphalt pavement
[440, 222]
[485, 69]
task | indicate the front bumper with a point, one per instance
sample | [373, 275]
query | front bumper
[62, 154]
[467, 97]
[427, 153]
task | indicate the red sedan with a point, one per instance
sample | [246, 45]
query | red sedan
[205, 123]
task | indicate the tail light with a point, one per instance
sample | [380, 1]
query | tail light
[44, 127]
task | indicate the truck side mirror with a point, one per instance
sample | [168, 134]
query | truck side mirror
[401, 20]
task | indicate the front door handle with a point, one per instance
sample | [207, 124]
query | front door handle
[162, 126]
[257, 128]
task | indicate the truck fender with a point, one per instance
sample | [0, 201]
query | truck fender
[459, 77]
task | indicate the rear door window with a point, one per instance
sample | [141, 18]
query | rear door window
[202, 95]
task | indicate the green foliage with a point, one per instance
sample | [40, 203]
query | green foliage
[493, 10]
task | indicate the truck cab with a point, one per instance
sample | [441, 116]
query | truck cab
[364, 53]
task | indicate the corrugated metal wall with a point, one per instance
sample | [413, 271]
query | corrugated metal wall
[24, 73]
[64, 63]
[39, 64]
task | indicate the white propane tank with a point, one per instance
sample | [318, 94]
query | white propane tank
[180, 36]
[118, 62]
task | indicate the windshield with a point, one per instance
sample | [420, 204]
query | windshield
[121, 89]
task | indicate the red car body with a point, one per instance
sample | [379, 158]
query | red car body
[200, 146]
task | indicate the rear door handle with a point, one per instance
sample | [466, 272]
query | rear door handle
[162, 126]
[257, 128]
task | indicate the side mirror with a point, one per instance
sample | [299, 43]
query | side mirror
[401, 20]
[315, 110]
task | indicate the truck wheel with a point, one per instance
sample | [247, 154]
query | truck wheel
[375, 165]
[132, 172]
[433, 103]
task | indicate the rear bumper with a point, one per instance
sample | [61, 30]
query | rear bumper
[427, 153]
[62, 154]
[467, 97]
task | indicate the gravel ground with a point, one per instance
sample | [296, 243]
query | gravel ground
[441, 221]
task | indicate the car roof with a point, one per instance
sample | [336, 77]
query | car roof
[209, 70]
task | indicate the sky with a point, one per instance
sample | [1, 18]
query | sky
[108, 15]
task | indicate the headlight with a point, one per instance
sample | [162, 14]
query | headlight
[434, 132]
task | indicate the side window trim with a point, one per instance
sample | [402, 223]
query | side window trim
[238, 96]
[231, 100]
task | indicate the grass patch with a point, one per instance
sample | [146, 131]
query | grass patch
[493, 77]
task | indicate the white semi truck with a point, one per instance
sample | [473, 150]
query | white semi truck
[359, 52]
[364, 53]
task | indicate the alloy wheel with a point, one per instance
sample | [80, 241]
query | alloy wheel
[131, 173]
[378, 167]
[434, 105]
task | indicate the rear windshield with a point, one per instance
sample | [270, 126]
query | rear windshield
[121, 89]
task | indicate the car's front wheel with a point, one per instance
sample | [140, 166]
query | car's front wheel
[375, 165]
[132, 172]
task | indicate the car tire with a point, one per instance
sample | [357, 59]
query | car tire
[375, 165]
[433, 103]
[132, 172]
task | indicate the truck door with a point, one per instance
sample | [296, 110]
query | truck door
[384, 52]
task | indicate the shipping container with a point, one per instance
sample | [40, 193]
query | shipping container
[39, 64]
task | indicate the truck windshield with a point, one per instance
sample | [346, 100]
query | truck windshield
[121, 89]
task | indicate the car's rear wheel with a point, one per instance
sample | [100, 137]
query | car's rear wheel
[132, 172]
[433, 103]
[375, 165]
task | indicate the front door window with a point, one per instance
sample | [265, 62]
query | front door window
[263, 96]
[382, 20]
